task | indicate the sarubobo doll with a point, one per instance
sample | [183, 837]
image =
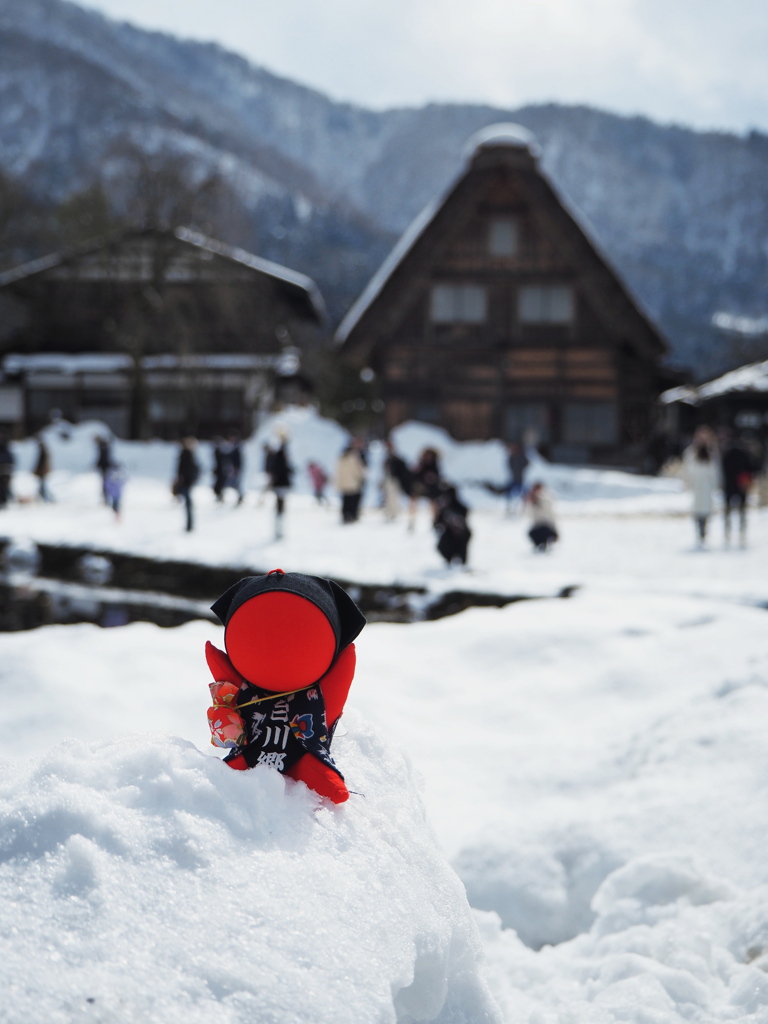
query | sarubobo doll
[280, 688]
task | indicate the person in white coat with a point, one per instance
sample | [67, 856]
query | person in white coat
[701, 471]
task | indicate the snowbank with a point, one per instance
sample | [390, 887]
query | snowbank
[143, 881]
[596, 769]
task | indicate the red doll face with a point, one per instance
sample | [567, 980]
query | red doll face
[280, 641]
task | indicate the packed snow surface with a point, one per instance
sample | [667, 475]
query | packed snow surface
[594, 769]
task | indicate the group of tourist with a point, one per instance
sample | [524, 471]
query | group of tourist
[715, 462]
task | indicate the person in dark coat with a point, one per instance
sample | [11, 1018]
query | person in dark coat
[235, 466]
[187, 473]
[280, 473]
[517, 462]
[738, 471]
[103, 462]
[397, 481]
[220, 468]
[426, 480]
[42, 469]
[7, 463]
[453, 533]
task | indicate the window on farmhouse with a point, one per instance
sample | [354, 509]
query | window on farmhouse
[546, 304]
[590, 423]
[458, 304]
[502, 237]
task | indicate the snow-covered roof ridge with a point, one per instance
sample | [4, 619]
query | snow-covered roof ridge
[402, 247]
[498, 135]
[750, 378]
[248, 259]
[183, 234]
[503, 133]
[507, 134]
[493, 135]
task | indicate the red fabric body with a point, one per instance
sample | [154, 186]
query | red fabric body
[280, 641]
[335, 686]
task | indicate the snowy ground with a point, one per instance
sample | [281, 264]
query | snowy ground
[595, 769]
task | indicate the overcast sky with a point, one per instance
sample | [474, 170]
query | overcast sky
[697, 62]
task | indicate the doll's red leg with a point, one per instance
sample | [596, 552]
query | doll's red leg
[322, 780]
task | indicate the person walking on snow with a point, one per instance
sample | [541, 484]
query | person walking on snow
[739, 469]
[350, 479]
[103, 462]
[701, 472]
[114, 482]
[187, 472]
[235, 466]
[42, 469]
[280, 473]
[7, 462]
[517, 462]
[396, 482]
[426, 479]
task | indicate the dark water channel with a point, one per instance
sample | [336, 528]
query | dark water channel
[44, 584]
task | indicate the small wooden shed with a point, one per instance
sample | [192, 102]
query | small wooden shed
[496, 316]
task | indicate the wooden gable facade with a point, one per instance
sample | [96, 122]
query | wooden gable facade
[156, 333]
[495, 316]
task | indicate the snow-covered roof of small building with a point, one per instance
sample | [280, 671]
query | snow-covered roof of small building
[70, 363]
[200, 241]
[275, 270]
[752, 378]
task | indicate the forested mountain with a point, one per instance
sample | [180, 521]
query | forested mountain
[326, 186]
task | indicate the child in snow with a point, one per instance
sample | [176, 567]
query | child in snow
[453, 533]
[543, 531]
[319, 480]
[114, 481]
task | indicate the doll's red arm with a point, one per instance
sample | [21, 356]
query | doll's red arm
[222, 669]
[336, 682]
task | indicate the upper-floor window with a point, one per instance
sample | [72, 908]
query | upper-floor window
[458, 304]
[546, 304]
[503, 236]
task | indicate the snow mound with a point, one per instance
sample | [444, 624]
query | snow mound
[142, 880]
[669, 945]
[544, 890]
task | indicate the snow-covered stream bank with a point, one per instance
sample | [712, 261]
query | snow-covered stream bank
[594, 769]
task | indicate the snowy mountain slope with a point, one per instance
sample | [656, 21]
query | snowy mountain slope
[683, 214]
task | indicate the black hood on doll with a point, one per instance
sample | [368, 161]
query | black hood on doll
[345, 617]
